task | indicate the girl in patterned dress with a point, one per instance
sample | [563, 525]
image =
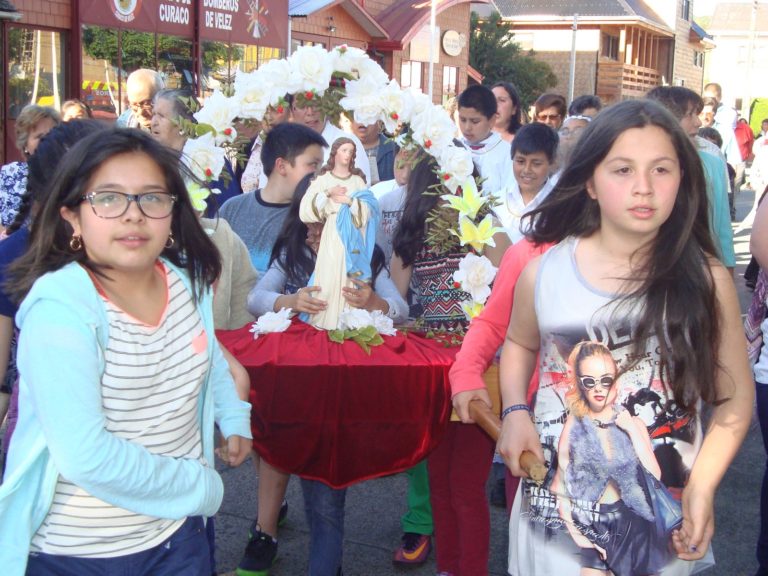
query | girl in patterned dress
[635, 272]
[458, 468]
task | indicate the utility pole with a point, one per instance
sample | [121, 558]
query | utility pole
[572, 79]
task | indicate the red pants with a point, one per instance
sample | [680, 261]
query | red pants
[458, 472]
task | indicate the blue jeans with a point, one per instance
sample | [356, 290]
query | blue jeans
[185, 552]
[762, 415]
[324, 508]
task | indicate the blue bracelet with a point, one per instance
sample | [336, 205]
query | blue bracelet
[514, 408]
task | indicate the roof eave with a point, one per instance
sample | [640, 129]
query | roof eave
[15, 16]
[364, 19]
[589, 20]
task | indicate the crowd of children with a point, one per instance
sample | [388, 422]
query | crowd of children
[610, 295]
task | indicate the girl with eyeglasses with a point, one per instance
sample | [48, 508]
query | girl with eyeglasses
[634, 270]
[121, 377]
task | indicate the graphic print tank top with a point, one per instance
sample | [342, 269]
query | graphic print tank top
[610, 431]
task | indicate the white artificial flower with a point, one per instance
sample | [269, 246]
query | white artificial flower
[311, 68]
[280, 77]
[220, 111]
[272, 322]
[253, 90]
[203, 157]
[369, 68]
[475, 275]
[383, 323]
[363, 98]
[433, 129]
[421, 102]
[348, 59]
[456, 161]
[354, 318]
[397, 105]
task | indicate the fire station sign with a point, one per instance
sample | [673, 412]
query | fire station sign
[262, 22]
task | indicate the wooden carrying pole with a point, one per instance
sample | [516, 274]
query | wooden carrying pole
[491, 424]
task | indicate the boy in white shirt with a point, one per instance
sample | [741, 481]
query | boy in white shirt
[490, 153]
[534, 153]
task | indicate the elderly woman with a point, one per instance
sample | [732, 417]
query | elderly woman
[237, 273]
[550, 109]
[32, 124]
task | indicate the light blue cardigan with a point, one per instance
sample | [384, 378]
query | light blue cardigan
[60, 430]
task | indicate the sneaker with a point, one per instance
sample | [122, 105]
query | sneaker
[259, 555]
[281, 518]
[414, 549]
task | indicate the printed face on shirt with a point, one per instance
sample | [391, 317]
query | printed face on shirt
[597, 380]
[308, 162]
[129, 244]
[636, 184]
[531, 172]
[474, 125]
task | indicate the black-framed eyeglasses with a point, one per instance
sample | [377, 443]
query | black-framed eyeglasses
[589, 382]
[545, 117]
[114, 204]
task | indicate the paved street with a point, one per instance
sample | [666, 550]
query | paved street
[374, 508]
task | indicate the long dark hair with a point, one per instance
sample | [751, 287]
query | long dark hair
[50, 235]
[675, 281]
[331, 164]
[42, 164]
[516, 121]
[410, 233]
[290, 250]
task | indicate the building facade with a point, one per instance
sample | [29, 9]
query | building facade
[622, 49]
[54, 50]
[740, 62]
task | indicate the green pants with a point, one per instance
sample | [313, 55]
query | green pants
[418, 518]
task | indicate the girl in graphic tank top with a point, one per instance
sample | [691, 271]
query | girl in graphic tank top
[635, 325]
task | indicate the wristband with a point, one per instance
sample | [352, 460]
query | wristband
[515, 408]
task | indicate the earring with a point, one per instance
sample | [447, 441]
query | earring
[169, 243]
[75, 243]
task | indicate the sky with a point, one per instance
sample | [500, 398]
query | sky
[707, 7]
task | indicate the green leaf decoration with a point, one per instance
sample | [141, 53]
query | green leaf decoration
[336, 336]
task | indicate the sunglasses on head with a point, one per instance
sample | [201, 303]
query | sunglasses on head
[589, 382]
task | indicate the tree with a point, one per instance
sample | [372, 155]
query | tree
[494, 53]
[139, 50]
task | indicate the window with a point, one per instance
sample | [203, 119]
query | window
[35, 68]
[221, 62]
[609, 46]
[411, 74]
[450, 82]
[295, 43]
[686, 12]
[698, 59]
[110, 55]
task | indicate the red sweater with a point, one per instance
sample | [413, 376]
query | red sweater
[487, 331]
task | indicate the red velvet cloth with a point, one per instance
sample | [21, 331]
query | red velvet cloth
[330, 412]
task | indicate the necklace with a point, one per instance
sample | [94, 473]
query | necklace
[603, 425]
